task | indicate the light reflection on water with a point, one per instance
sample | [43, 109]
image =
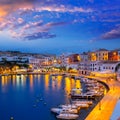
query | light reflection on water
[78, 86]
[18, 93]
[31, 81]
[20, 80]
[47, 81]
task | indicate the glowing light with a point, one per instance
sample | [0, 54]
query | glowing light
[59, 78]
[78, 86]
[78, 57]
[114, 53]
[31, 81]
[47, 81]
[3, 81]
[67, 85]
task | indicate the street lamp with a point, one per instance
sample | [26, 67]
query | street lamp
[100, 105]
[99, 101]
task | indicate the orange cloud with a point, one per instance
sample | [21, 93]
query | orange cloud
[6, 9]
[2, 12]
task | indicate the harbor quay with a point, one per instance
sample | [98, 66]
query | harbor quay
[104, 109]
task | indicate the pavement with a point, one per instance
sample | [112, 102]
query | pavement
[105, 108]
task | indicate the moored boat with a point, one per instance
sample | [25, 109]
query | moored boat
[74, 89]
[82, 105]
[69, 106]
[82, 102]
[82, 96]
[67, 116]
[64, 110]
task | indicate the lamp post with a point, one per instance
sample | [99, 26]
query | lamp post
[100, 105]
[99, 101]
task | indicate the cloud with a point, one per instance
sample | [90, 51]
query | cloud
[26, 6]
[6, 24]
[3, 25]
[78, 21]
[20, 20]
[40, 26]
[12, 23]
[21, 25]
[33, 25]
[7, 7]
[39, 35]
[51, 24]
[113, 34]
[24, 10]
[37, 16]
[63, 8]
[34, 30]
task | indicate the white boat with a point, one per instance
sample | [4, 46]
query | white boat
[95, 93]
[82, 105]
[64, 110]
[69, 106]
[56, 110]
[82, 102]
[75, 89]
[67, 116]
[82, 95]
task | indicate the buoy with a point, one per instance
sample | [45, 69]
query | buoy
[44, 103]
[11, 118]
[34, 105]
[41, 99]
[37, 100]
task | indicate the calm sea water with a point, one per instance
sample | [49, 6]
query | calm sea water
[30, 97]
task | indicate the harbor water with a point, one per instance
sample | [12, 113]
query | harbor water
[30, 97]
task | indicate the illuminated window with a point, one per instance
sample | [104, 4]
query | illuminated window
[114, 53]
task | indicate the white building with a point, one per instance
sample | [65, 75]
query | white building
[84, 57]
[13, 59]
[106, 69]
[84, 68]
[34, 62]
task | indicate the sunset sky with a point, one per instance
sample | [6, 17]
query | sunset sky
[58, 26]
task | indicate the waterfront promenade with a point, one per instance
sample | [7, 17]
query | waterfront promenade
[104, 109]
